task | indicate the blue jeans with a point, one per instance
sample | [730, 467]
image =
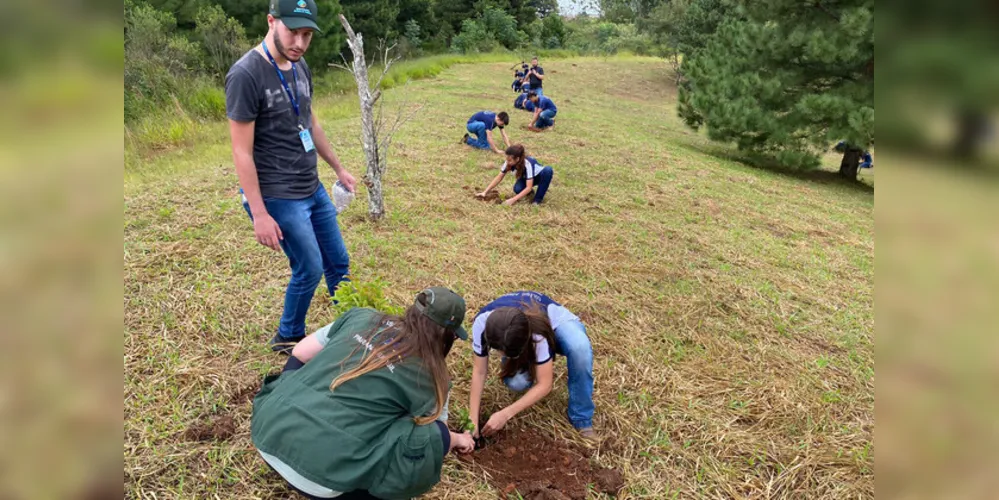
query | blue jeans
[539, 90]
[314, 248]
[546, 119]
[480, 141]
[542, 180]
[570, 341]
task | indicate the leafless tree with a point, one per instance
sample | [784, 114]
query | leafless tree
[376, 130]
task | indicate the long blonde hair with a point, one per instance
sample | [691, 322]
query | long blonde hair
[413, 334]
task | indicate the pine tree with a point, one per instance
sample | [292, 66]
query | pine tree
[785, 79]
[375, 19]
[453, 12]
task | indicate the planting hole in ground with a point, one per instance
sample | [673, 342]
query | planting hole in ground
[218, 428]
[525, 462]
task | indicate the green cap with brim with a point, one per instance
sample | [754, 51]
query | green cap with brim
[296, 14]
[445, 308]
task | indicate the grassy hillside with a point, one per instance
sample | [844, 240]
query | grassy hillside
[730, 308]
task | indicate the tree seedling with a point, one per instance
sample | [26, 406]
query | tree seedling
[463, 421]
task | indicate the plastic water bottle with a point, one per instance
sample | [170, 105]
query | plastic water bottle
[341, 197]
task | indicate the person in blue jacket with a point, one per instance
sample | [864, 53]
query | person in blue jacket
[866, 160]
[482, 124]
[522, 102]
[518, 81]
[544, 112]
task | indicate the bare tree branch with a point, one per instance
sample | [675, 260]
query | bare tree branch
[379, 121]
[386, 61]
[376, 129]
[346, 66]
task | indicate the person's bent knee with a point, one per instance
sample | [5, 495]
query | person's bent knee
[309, 273]
[517, 384]
[581, 355]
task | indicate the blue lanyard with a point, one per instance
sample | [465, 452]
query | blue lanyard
[284, 82]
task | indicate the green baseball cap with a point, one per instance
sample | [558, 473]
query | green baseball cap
[296, 14]
[445, 308]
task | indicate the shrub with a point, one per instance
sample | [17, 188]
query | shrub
[474, 37]
[205, 101]
[156, 59]
[353, 294]
[553, 32]
[607, 38]
[411, 40]
[503, 28]
[222, 37]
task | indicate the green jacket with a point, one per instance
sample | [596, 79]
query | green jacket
[361, 436]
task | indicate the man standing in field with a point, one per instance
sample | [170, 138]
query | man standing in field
[536, 76]
[275, 141]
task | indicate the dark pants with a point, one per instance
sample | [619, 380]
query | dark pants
[541, 181]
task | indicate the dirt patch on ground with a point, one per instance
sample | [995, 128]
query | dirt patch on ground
[246, 393]
[609, 481]
[524, 462]
[218, 428]
[492, 196]
[710, 205]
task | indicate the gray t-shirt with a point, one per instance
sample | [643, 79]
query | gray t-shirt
[253, 93]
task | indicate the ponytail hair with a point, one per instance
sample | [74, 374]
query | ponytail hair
[518, 151]
[413, 334]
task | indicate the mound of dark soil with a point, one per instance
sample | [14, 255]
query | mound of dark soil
[525, 462]
[492, 196]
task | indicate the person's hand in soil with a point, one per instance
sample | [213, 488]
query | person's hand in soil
[463, 442]
[510, 202]
[496, 423]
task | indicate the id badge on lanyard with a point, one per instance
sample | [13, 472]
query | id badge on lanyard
[303, 133]
[306, 138]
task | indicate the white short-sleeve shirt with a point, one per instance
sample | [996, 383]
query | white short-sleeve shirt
[542, 351]
[531, 167]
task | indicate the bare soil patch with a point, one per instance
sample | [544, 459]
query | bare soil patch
[537, 467]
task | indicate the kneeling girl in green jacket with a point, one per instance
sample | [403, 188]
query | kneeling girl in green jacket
[356, 413]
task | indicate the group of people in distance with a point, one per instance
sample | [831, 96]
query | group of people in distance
[530, 86]
[359, 409]
[529, 173]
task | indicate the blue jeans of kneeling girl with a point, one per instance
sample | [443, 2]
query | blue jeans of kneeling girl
[542, 181]
[572, 342]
